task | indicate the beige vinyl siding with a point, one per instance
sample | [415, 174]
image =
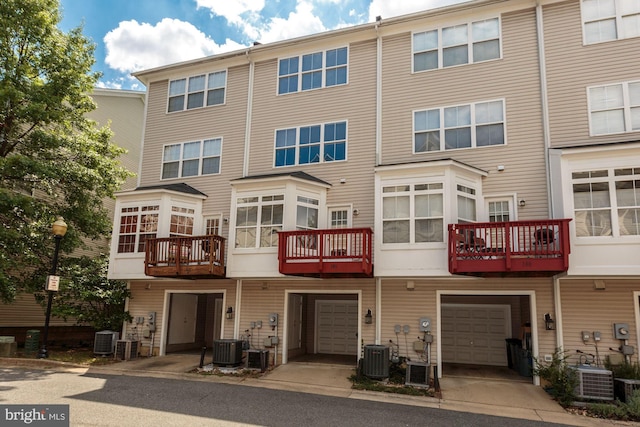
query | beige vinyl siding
[585, 308]
[514, 78]
[598, 64]
[354, 102]
[401, 306]
[25, 312]
[145, 300]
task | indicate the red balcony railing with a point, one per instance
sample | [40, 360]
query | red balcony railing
[345, 252]
[532, 248]
[192, 256]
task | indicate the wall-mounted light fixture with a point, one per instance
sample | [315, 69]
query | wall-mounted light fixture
[225, 220]
[230, 312]
[368, 318]
[549, 323]
[522, 203]
[356, 212]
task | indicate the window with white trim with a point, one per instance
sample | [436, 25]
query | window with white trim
[312, 71]
[137, 224]
[306, 213]
[413, 213]
[605, 20]
[607, 202]
[258, 220]
[212, 226]
[311, 144]
[192, 158]
[499, 211]
[197, 91]
[614, 108]
[462, 126]
[466, 197]
[181, 221]
[460, 44]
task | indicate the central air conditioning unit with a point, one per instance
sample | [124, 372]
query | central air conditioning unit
[594, 383]
[227, 352]
[417, 374]
[623, 388]
[375, 363]
[258, 359]
[104, 342]
[126, 349]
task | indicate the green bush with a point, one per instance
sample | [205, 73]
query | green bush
[561, 378]
[626, 370]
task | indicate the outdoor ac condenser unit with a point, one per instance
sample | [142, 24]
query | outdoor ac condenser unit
[417, 374]
[126, 349]
[594, 383]
[375, 363]
[104, 342]
[227, 352]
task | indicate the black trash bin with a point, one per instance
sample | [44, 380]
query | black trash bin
[513, 345]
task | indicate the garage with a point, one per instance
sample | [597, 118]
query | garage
[475, 333]
[337, 327]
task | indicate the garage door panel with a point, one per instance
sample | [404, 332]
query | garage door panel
[337, 326]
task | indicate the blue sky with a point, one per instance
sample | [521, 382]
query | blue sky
[133, 35]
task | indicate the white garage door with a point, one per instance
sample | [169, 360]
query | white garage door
[475, 334]
[337, 326]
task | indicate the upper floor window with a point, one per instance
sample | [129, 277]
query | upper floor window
[307, 213]
[610, 20]
[499, 211]
[312, 71]
[461, 44]
[466, 197]
[192, 158]
[258, 220]
[181, 221]
[197, 91]
[137, 224]
[462, 126]
[614, 108]
[311, 144]
[607, 202]
[413, 213]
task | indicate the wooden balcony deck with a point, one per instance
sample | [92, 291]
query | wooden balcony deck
[516, 248]
[185, 257]
[345, 252]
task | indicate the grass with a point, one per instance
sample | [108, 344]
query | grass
[79, 356]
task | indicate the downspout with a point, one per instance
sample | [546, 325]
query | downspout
[236, 318]
[247, 129]
[378, 95]
[378, 309]
[558, 313]
[144, 129]
[545, 103]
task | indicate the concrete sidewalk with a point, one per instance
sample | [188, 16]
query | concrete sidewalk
[474, 395]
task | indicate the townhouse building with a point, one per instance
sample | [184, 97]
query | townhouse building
[432, 182]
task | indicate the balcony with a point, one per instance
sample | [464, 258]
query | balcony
[517, 248]
[190, 257]
[345, 252]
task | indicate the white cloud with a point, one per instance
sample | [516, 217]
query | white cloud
[235, 11]
[300, 22]
[134, 46]
[388, 9]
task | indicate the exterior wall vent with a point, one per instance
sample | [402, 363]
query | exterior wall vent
[375, 363]
[594, 383]
[104, 342]
[417, 374]
[227, 352]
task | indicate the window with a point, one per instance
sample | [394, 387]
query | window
[338, 218]
[258, 220]
[137, 224]
[461, 44]
[607, 202]
[499, 211]
[413, 213]
[311, 144]
[192, 158]
[197, 91]
[606, 20]
[312, 71]
[461, 126]
[307, 214]
[466, 204]
[212, 226]
[181, 221]
[614, 108]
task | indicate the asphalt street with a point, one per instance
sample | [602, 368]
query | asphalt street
[119, 400]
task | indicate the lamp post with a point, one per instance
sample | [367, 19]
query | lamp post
[59, 229]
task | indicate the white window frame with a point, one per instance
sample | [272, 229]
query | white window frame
[322, 144]
[470, 43]
[630, 105]
[510, 199]
[215, 230]
[201, 158]
[153, 208]
[206, 90]
[474, 125]
[322, 69]
[259, 202]
[348, 216]
[618, 16]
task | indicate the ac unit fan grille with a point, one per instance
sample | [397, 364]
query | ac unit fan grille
[376, 361]
[417, 374]
[594, 383]
[227, 352]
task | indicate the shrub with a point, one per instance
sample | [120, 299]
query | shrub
[561, 378]
[627, 370]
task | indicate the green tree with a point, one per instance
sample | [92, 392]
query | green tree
[87, 296]
[53, 160]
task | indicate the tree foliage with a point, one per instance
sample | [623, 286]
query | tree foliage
[53, 159]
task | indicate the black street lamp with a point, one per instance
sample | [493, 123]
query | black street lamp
[59, 229]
